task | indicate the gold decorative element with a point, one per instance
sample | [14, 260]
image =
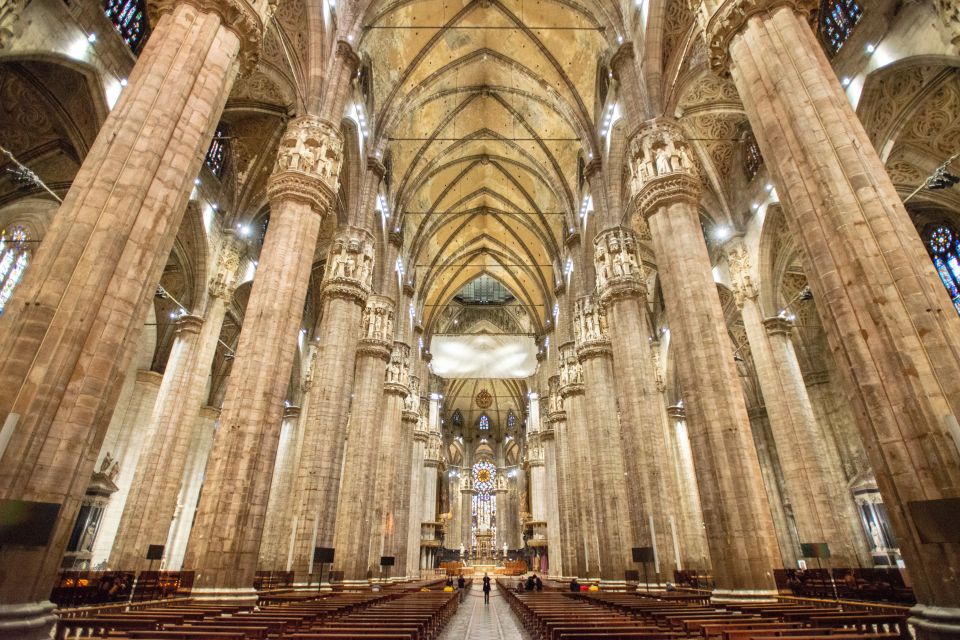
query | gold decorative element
[484, 399]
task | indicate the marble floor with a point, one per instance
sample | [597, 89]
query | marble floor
[477, 621]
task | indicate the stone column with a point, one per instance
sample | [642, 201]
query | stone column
[887, 317]
[821, 509]
[72, 326]
[538, 502]
[653, 498]
[739, 529]
[403, 499]
[558, 507]
[466, 508]
[612, 515]
[201, 444]
[344, 293]
[416, 496]
[152, 502]
[127, 450]
[358, 511]
[583, 528]
[273, 546]
[225, 542]
[695, 548]
[431, 463]
[386, 492]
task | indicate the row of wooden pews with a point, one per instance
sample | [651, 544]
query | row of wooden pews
[638, 616]
[396, 615]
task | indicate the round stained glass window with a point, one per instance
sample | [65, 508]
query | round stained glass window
[483, 475]
[940, 240]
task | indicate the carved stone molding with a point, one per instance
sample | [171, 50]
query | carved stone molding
[409, 416]
[730, 18]
[246, 19]
[291, 413]
[10, 24]
[619, 272]
[397, 374]
[778, 325]
[677, 412]
[308, 164]
[949, 12]
[350, 262]
[571, 372]
[189, 324]
[662, 170]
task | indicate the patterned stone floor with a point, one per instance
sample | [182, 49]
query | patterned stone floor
[477, 621]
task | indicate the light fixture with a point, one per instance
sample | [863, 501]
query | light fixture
[769, 188]
[721, 232]
[845, 81]
[91, 38]
[196, 181]
[123, 82]
[871, 48]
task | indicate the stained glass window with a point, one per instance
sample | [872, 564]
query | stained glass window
[752, 160]
[218, 151]
[944, 245]
[129, 17]
[511, 419]
[837, 20]
[14, 258]
[484, 422]
[484, 505]
[457, 418]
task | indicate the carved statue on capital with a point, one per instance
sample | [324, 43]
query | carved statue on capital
[738, 264]
[398, 369]
[724, 19]
[661, 164]
[350, 263]
[10, 23]
[224, 281]
[308, 163]
[949, 12]
[590, 322]
[377, 321]
[412, 402]
[617, 261]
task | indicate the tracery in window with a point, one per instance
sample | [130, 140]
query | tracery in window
[944, 245]
[837, 20]
[484, 506]
[217, 153]
[457, 418]
[511, 419]
[14, 258]
[129, 18]
[484, 422]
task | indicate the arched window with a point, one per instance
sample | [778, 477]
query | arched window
[484, 506]
[752, 160]
[837, 20]
[457, 418]
[129, 18]
[484, 422]
[14, 258]
[511, 419]
[217, 153]
[944, 245]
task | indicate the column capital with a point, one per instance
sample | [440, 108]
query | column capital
[726, 18]
[189, 324]
[350, 261]
[619, 272]
[677, 412]
[291, 412]
[739, 266]
[950, 14]
[397, 374]
[590, 329]
[778, 325]
[245, 18]
[376, 328]
[410, 416]
[346, 51]
[308, 164]
[623, 55]
[571, 372]
[224, 280]
[661, 167]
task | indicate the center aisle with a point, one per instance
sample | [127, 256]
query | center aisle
[477, 621]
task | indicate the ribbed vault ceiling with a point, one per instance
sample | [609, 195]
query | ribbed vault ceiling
[483, 109]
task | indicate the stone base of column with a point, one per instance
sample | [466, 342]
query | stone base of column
[244, 595]
[30, 621]
[935, 623]
[356, 584]
[650, 586]
[723, 596]
[305, 586]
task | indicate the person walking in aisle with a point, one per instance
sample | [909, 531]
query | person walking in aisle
[486, 589]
